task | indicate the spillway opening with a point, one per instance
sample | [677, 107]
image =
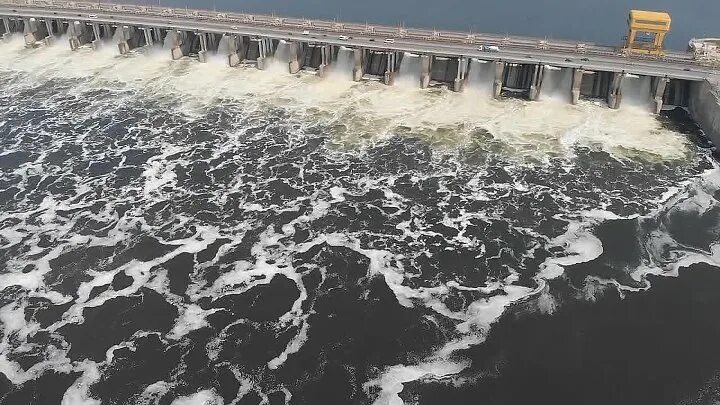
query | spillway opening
[481, 76]
[636, 91]
[556, 84]
[517, 79]
[595, 85]
[409, 72]
[343, 65]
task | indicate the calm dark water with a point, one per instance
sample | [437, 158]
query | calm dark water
[186, 234]
[582, 20]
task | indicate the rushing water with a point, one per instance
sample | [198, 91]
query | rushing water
[182, 233]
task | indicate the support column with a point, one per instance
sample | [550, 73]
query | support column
[498, 83]
[202, 55]
[615, 93]
[358, 66]
[97, 38]
[76, 35]
[122, 34]
[6, 23]
[389, 77]
[326, 59]
[425, 62]
[658, 91]
[32, 31]
[265, 50]
[576, 83]
[295, 55]
[50, 34]
[459, 83]
[157, 35]
[536, 82]
[175, 38]
[233, 57]
[147, 32]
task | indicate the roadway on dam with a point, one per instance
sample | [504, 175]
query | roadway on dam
[600, 61]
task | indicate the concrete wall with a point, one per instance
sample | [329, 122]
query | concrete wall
[704, 106]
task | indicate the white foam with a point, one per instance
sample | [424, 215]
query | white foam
[204, 397]
[79, 392]
[391, 381]
[580, 245]
[191, 318]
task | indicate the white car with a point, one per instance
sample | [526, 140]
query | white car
[234, 27]
[389, 41]
[306, 32]
[492, 48]
[343, 37]
[92, 16]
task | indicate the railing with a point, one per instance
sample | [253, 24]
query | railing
[450, 37]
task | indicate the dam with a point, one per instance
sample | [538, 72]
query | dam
[208, 208]
[518, 67]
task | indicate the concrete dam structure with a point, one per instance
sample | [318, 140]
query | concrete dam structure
[517, 67]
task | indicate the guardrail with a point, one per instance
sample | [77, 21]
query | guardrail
[451, 37]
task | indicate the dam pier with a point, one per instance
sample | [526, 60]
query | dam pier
[518, 67]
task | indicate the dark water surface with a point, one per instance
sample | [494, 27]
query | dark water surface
[178, 233]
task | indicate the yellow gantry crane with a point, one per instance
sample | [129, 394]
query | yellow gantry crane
[646, 32]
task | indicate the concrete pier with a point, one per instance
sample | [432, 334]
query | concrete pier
[77, 35]
[390, 69]
[175, 40]
[97, 37]
[576, 85]
[49, 39]
[296, 54]
[265, 52]
[358, 64]
[615, 91]
[128, 38]
[425, 66]
[461, 77]
[657, 90]
[499, 75]
[148, 35]
[536, 82]
[202, 54]
[7, 32]
[232, 49]
[326, 58]
[33, 30]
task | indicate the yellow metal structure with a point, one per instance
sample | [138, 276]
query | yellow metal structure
[646, 31]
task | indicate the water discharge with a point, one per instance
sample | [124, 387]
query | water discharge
[178, 231]
[481, 76]
[556, 84]
[636, 91]
[281, 57]
[409, 72]
[342, 68]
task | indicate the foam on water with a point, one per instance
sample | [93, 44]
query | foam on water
[238, 173]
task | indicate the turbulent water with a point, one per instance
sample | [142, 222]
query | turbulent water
[181, 233]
